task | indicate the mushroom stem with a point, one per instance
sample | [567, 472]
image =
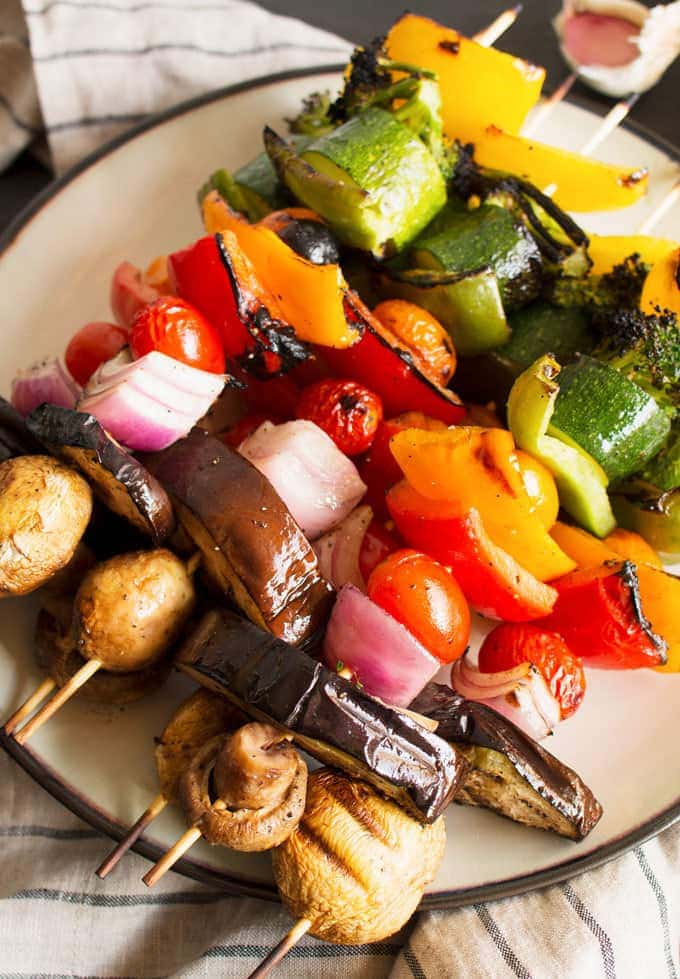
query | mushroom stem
[279, 951]
[30, 704]
[490, 34]
[132, 835]
[171, 856]
[58, 700]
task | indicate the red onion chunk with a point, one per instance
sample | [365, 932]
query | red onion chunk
[169, 377]
[136, 419]
[319, 485]
[338, 551]
[382, 654]
[600, 39]
[45, 383]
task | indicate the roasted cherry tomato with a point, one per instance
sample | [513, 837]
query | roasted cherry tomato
[345, 410]
[513, 643]
[173, 327]
[426, 598]
[377, 544]
[423, 335]
[91, 346]
[539, 483]
[244, 427]
[129, 293]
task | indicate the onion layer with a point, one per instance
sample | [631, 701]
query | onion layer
[319, 485]
[338, 551]
[47, 382]
[383, 655]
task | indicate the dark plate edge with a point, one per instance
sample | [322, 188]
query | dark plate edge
[85, 809]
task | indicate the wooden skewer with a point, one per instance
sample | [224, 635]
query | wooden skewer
[662, 208]
[131, 837]
[299, 929]
[610, 122]
[30, 704]
[64, 693]
[550, 105]
[498, 27]
[171, 856]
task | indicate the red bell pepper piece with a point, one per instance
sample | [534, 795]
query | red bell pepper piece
[378, 361]
[216, 277]
[599, 614]
[378, 543]
[492, 581]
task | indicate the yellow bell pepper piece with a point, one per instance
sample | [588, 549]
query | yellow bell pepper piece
[309, 297]
[662, 285]
[582, 184]
[479, 468]
[659, 591]
[606, 251]
[479, 85]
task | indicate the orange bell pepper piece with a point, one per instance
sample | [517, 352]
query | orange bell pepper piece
[582, 184]
[309, 296]
[478, 468]
[479, 85]
[659, 590]
[662, 285]
[606, 251]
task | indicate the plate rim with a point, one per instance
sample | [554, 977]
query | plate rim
[85, 808]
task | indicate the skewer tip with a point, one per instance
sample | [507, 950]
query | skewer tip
[131, 837]
[299, 929]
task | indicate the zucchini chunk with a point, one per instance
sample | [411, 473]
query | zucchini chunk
[116, 477]
[509, 772]
[328, 716]
[252, 548]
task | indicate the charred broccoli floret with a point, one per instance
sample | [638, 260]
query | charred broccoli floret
[313, 118]
[619, 289]
[646, 348]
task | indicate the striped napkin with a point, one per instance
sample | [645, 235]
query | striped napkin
[97, 67]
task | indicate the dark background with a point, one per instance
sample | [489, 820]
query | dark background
[532, 37]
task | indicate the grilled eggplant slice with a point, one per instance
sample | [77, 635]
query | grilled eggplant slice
[509, 772]
[116, 477]
[327, 715]
[15, 438]
[252, 548]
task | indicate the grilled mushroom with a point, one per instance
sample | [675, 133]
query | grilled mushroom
[357, 865]
[130, 609]
[44, 510]
[260, 780]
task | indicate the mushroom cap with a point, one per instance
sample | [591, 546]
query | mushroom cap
[357, 865]
[130, 609]
[255, 767]
[44, 510]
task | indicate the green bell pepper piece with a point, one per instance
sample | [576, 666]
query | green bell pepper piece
[653, 514]
[581, 482]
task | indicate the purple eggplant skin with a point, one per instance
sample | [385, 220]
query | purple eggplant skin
[510, 772]
[252, 547]
[117, 478]
[15, 438]
[329, 717]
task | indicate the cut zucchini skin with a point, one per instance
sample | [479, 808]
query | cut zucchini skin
[462, 240]
[610, 417]
[373, 181]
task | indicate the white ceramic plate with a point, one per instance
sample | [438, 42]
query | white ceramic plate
[136, 200]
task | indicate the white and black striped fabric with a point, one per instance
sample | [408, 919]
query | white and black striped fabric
[100, 65]
[57, 919]
[96, 67]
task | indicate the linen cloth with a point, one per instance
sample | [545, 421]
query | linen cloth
[98, 67]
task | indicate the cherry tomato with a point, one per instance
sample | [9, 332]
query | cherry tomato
[513, 643]
[423, 335]
[345, 410]
[173, 327]
[129, 293]
[244, 427]
[541, 489]
[426, 598]
[377, 544]
[91, 346]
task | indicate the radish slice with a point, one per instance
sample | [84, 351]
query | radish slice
[319, 485]
[520, 694]
[46, 382]
[338, 551]
[380, 652]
